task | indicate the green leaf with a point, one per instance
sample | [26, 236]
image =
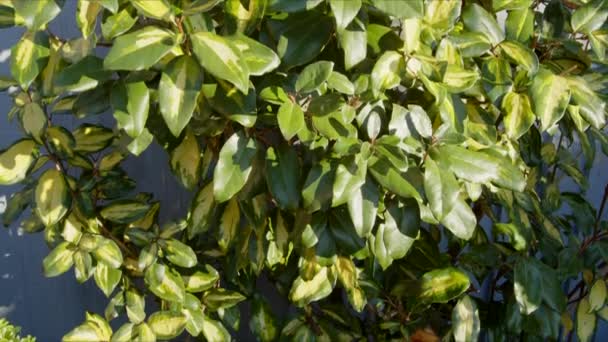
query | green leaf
[318, 287]
[496, 77]
[291, 119]
[313, 76]
[551, 97]
[16, 161]
[86, 16]
[201, 212]
[60, 260]
[591, 107]
[117, 24]
[233, 167]
[363, 207]
[340, 83]
[218, 298]
[201, 281]
[586, 321]
[234, 105]
[110, 5]
[479, 167]
[86, 74]
[109, 253]
[344, 11]
[590, 16]
[477, 19]
[350, 176]
[125, 333]
[316, 191]
[165, 283]
[200, 6]
[140, 49]
[283, 176]
[499, 5]
[461, 220]
[29, 56]
[471, 44]
[442, 285]
[441, 189]
[229, 224]
[293, 47]
[36, 14]
[441, 15]
[597, 295]
[90, 138]
[107, 278]
[221, 58]
[178, 90]
[179, 253]
[214, 331]
[457, 79]
[167, 325]
[396, 236]
[520, 25]
[392, 179]
[387, 71]
[94, 329]
[401, 9]
[124, 211]
[353, 41]
[259, 58]
[527, 292]
[185, 161]
[465, 320]
[292, 6]
[518, 235]
[131, 103]
[34, 120]
[520, 55]
[135, 306]
[411, 122]
[332, 117]
[53, 199]
[263, 323]
[156, 9]
[518, 114]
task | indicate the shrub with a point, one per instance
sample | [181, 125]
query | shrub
[391, 168]
[10, 333]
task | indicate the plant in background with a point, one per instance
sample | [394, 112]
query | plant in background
[391, 168]
[10, 333]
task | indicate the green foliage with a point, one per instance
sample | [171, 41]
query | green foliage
[11, 333]
[392, 168]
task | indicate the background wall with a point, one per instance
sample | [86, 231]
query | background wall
[49, 307]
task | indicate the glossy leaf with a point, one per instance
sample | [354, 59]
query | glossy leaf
[465, 318]
[477, 19]
[59, 260]
[234, 166]
[178, 91]
[140, 49]
[313, 76]
[518, 114]
[344, 11]
[53, 197]
[167, 324]
[442, 285]
[164, 283]
[551, 96]
[30, 55]
[283, 176]
[16, 161]
[221, 58]
[185, 161]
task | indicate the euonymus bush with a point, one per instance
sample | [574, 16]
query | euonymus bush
[391, 168]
